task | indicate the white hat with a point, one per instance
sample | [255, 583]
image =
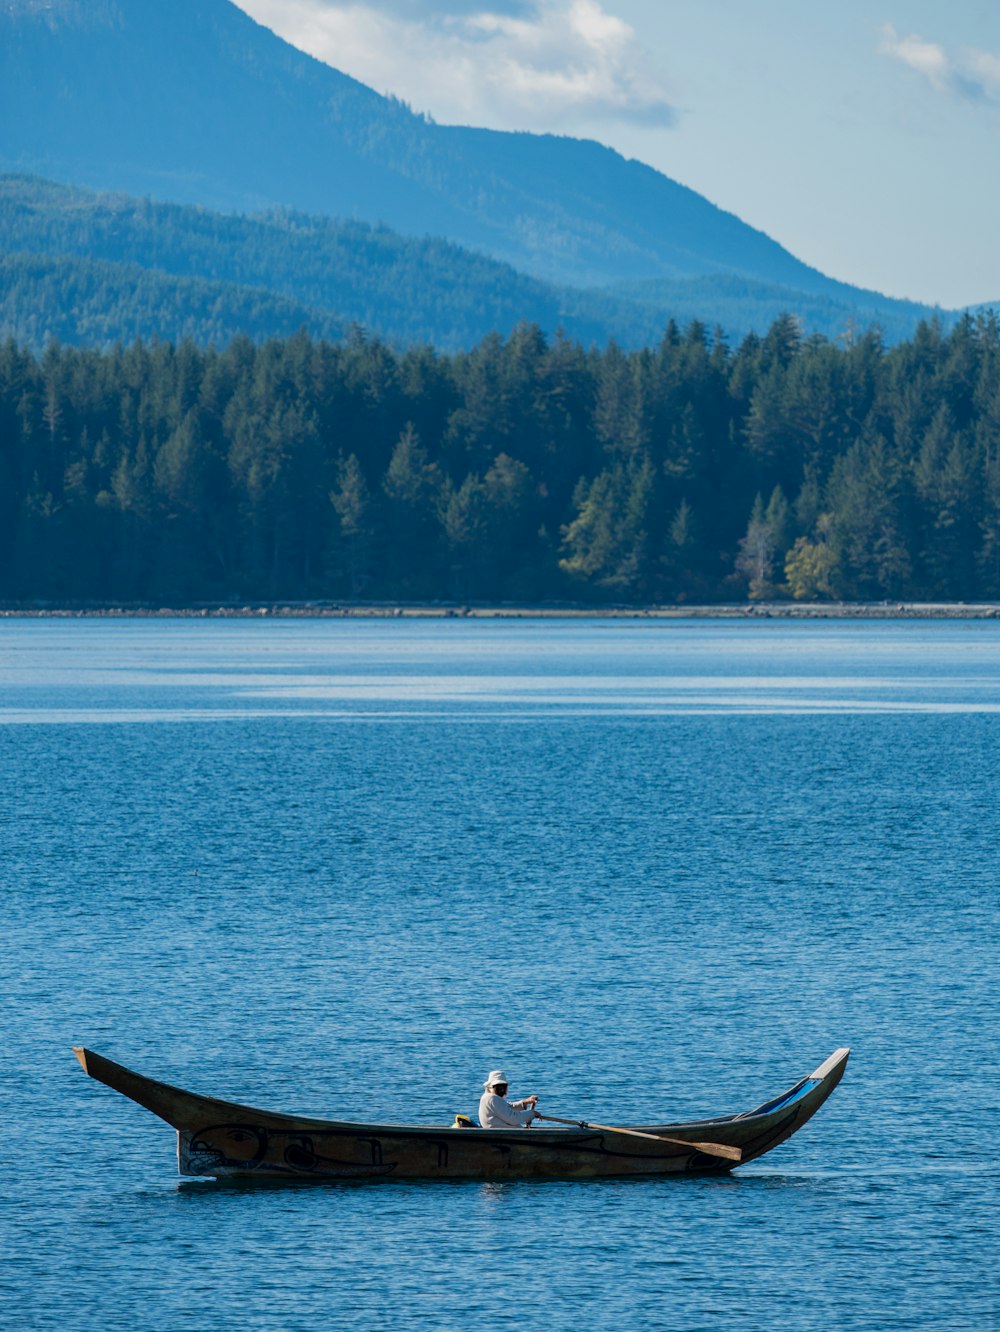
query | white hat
[496, 1076]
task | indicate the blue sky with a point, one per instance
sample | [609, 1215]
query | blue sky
[863, 135]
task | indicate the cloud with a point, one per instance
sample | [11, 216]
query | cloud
[967, 73]
[432, 9]
[511, 64]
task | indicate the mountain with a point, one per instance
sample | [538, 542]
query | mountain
[740, 304]
[94, 304]
[194, 102]
[95, 269]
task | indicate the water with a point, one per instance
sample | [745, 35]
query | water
[654, 870]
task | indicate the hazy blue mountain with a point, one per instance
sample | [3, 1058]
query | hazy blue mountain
[193, 101]
[91, 303]
[740, 304]
[94, 269]
[99, 268]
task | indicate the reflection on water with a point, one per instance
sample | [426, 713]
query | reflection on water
[140, 671]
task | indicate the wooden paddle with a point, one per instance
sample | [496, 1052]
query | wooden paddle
[709, 1148]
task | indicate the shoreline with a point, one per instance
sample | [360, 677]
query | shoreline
[897, 610]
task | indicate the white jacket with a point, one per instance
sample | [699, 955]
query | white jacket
[497, 1112]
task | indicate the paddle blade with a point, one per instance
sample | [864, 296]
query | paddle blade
[718, 1149]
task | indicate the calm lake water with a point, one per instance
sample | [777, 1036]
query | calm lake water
[654, 870]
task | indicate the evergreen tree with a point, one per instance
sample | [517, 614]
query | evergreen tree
[413, 487]
[948, 481]
[353, 505]
[866, 500]
[683, 575]
[609, 541]
[462, 511]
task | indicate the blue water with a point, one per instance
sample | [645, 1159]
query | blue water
[656, 870]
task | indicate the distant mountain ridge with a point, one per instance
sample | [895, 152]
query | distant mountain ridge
[93, 303]
[95, 269]
[194, 102]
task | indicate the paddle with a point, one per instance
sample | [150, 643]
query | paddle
[709, 1148]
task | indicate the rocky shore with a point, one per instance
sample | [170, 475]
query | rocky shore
[440, 610]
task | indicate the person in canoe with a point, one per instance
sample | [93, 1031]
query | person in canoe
[495, 1111]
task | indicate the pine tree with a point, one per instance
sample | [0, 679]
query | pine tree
[462, 512]
[866, 498]
[352, 503]
[413, 486]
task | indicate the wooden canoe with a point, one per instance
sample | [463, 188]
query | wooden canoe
[225, 1140]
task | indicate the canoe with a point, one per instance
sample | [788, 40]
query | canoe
[226, 1140]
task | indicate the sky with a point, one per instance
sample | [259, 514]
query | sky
[863, 135]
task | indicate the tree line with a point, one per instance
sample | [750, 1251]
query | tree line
[527, 469]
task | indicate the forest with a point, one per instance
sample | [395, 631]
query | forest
[525, 470]
[94, 269]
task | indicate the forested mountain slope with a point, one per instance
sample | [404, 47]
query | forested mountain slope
[92, 269]
[83, 267]
[90, 303]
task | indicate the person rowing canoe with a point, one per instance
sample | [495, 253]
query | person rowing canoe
[495, 1111]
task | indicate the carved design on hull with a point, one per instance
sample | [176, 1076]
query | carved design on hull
[234, 1149]
[244, 1148]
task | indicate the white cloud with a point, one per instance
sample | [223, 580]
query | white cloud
[513, 64]
[424, 9]
[985, 68]
[968, 73]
